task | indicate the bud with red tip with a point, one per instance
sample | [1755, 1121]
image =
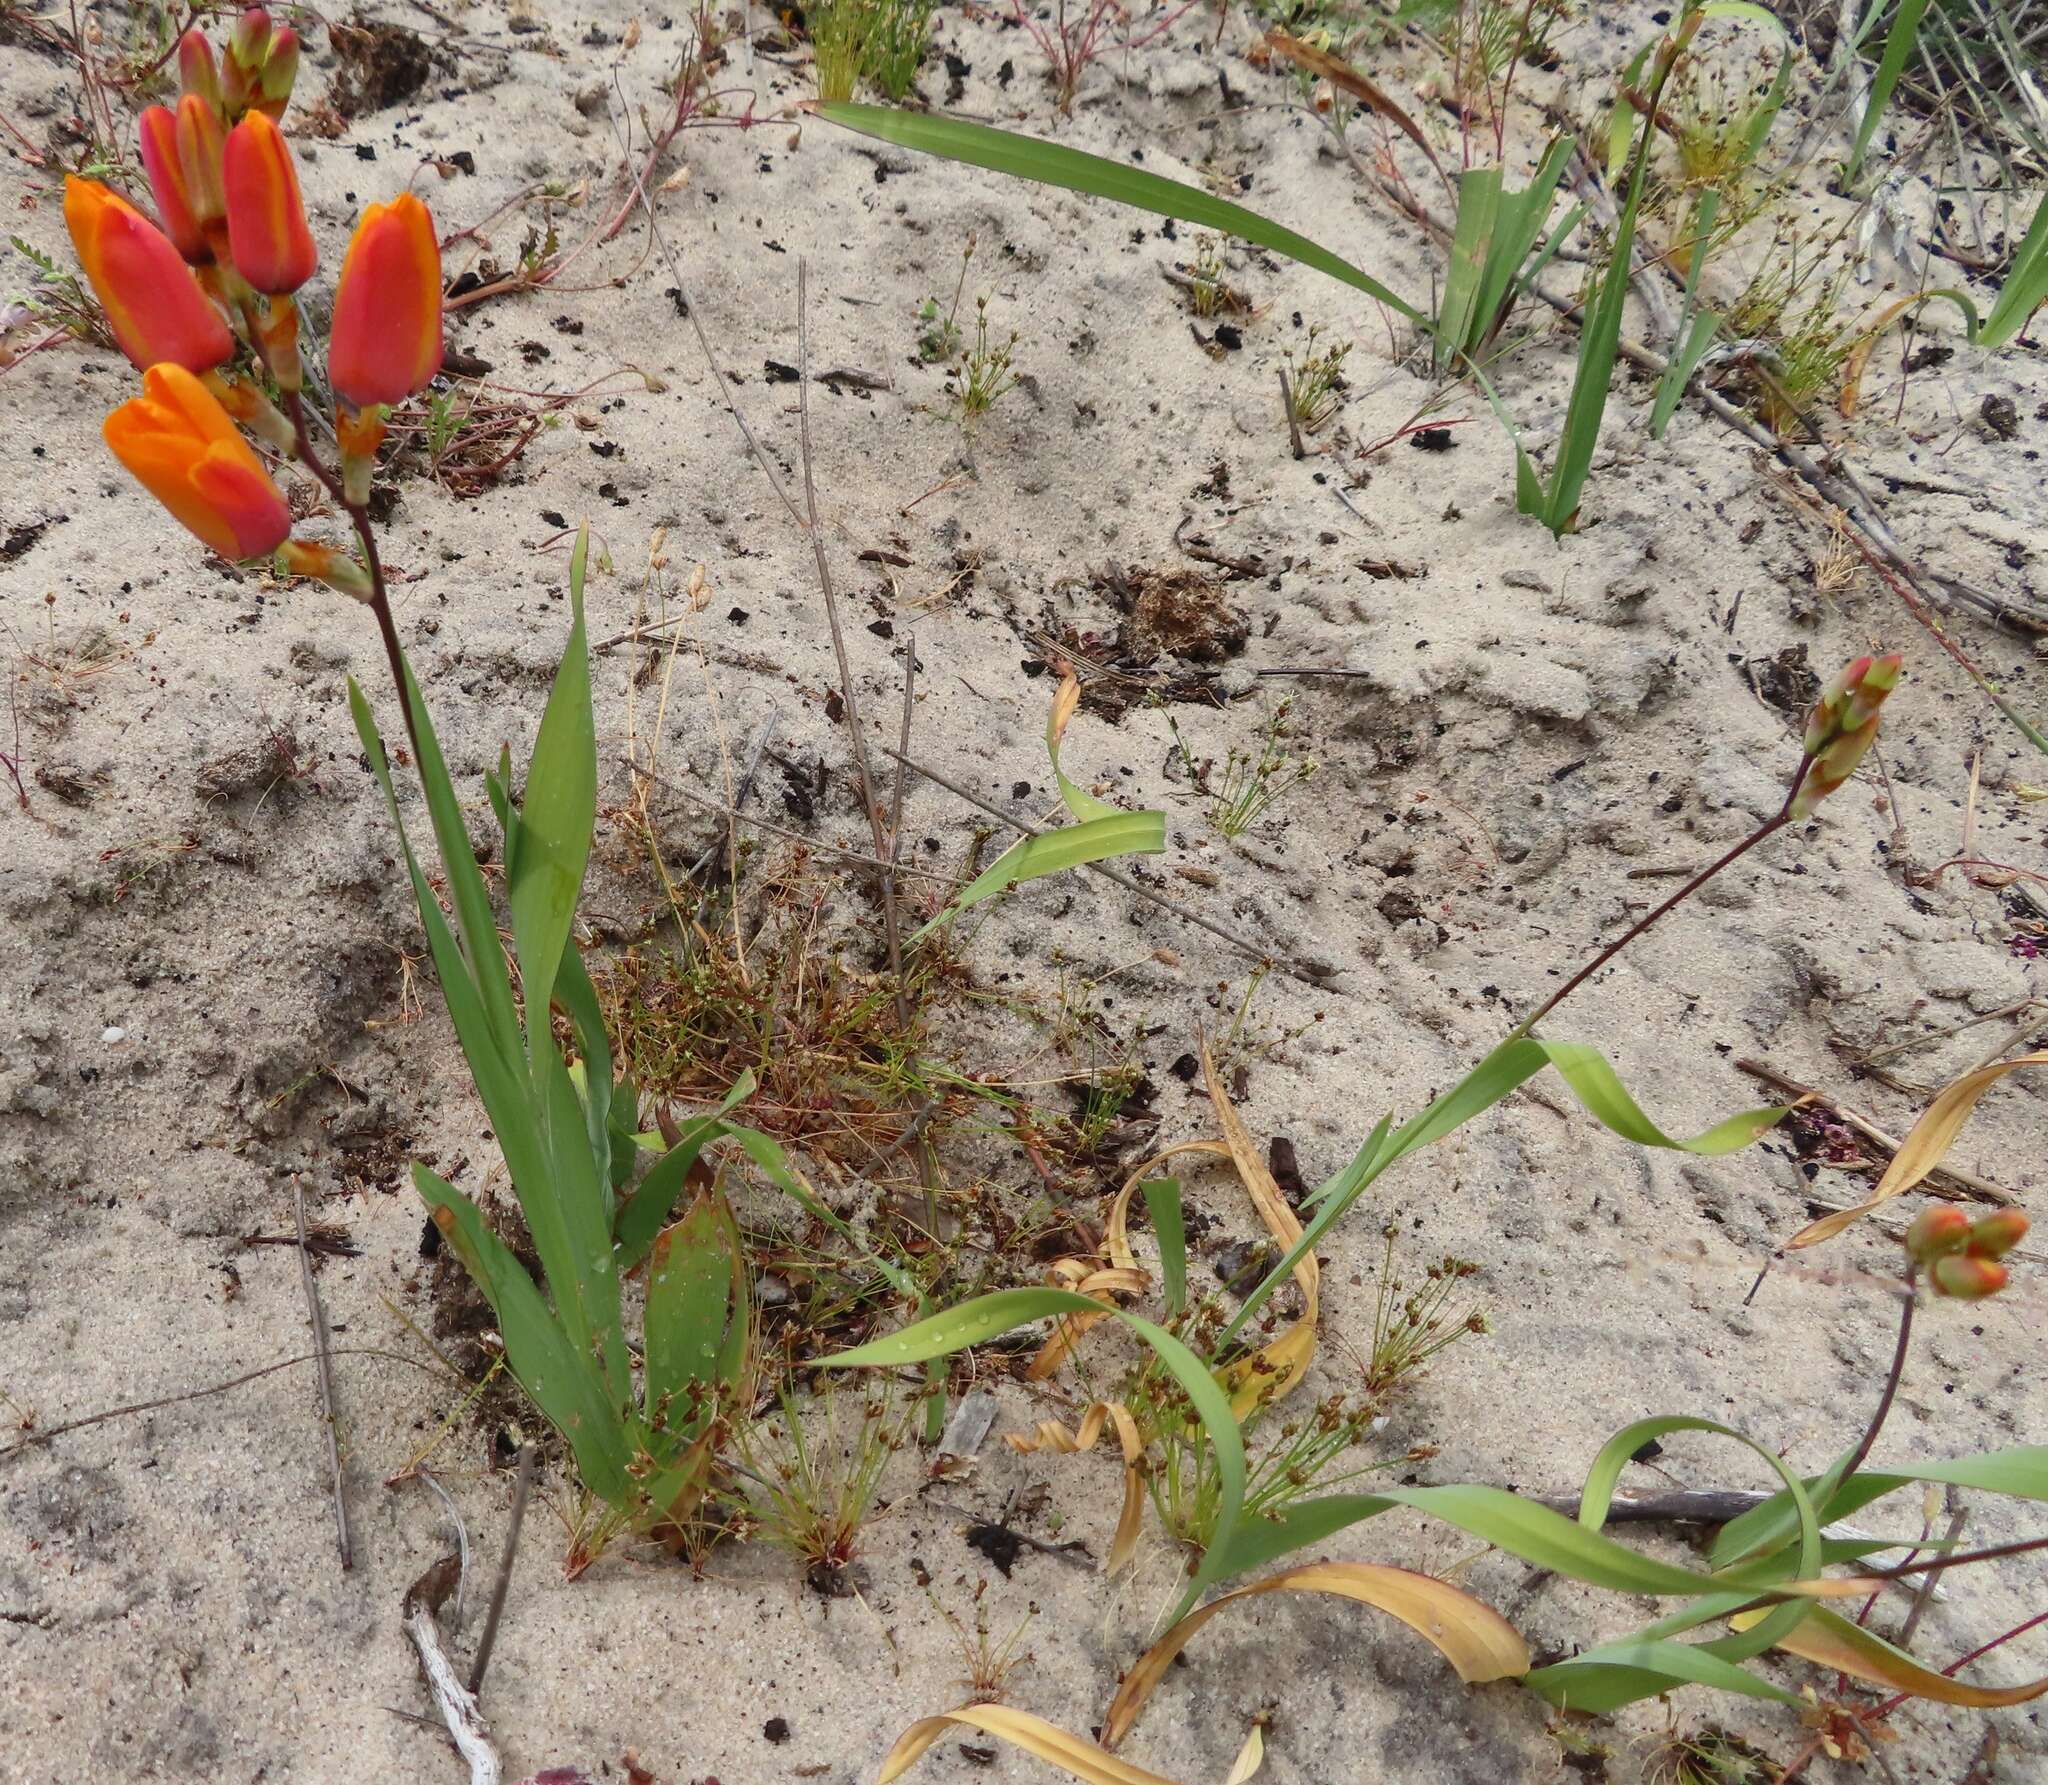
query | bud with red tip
[1843, 726]
[153, 303]
[198, 73]
[1967, 1279]
[1996, 1235]
[1936, 1232]
[386, 339]
[305, 557]
[158, 130]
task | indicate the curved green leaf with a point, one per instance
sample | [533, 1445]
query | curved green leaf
[1050, 164]
[550, 845]
[988, 1317]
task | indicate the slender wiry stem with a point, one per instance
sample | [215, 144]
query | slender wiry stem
[1891, 1383]
[1777, 821]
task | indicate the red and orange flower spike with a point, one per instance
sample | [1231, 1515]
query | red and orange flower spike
[198, 72]
[153, 303]
[267, 234]
[183, 449]
[201, 146]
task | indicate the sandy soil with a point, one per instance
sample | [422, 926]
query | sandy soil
[203, 997]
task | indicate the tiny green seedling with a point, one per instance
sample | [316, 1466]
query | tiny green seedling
[938, 336]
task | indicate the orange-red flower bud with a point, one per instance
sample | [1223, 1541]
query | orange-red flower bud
[385, 342]
[1843, 725]
[267, 234]
[201, 146]
[279, 74]
[183, 449]
[248, 43]
[1936, 1232]
[1967, 1279]
[158, 129]
[1996, 1235]
[198, 73]
[153, 303]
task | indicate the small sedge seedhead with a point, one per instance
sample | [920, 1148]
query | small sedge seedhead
[1843, 725]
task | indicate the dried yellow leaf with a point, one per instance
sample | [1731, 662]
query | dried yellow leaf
[1471, 1635]
[1924, 1148]
[1074, 1756]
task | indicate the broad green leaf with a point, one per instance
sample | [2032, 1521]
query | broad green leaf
[1620, 1673]
[567, 1213]
[2025, 288]
[550, 845]
[1162, 1201]
[1006, 152]
[562, 1379]
[988, 1317]
[466, 889]
[696, 1319]
[1471, 243]
[500, 1077]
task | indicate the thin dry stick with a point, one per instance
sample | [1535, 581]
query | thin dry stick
[1264, 956]
[1977, 1187]
[35, 1440]
[892, 930]
[489, 1640]
[460, 1712]
[780, 830]
[326, 1380]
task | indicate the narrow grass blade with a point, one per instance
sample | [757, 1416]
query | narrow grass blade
[1099, 831]
[1605, 1679]
[2025, 288]
[566, 1210]
[1169, 1227]
[1471, 1635]
[551, 842]
[1898, 46]
[1050, 164]
[562, 1379]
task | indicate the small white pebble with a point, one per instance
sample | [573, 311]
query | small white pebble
[113, 1032]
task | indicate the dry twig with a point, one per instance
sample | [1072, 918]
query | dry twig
[325, 1377]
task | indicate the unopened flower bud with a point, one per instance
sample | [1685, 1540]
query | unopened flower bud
[198, 73]
[241, 77]
[305, 557]
[1996, 1235]
[1967, 1279]
[1842, 726]
[280, 72]
[1936, 1232]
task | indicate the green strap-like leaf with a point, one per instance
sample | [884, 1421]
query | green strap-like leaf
[551, 843]
[1162, 1202]
[561, 1377]
[646, 1211]
[1050, 164]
